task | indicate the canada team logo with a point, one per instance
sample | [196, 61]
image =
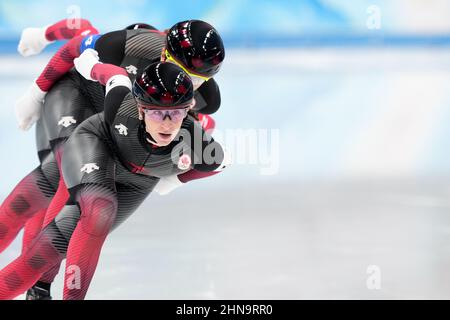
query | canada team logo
[185, 162]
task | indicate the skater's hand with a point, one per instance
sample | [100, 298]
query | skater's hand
[85, 62]
[32, 41]
[167, 184]
[28, 107]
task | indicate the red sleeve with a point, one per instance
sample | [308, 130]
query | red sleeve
[195, 174]
[59, 64]
[103, 72]
[69, 29]
[62, 61]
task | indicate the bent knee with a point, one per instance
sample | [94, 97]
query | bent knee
[99, 210]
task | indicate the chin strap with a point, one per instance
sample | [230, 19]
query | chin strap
[149, 140]
[148, 136]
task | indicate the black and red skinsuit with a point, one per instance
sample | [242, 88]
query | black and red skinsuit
[70, 100]
[108, 173]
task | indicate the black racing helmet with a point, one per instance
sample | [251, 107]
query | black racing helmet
[197, 46]
[163, 85]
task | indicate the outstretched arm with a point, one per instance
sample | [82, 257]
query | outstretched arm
[59, 64]
[34, 40]
[69, 28]
[111, 49]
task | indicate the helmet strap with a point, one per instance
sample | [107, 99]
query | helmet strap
[150, 139]
[163, 54]
[148, 136]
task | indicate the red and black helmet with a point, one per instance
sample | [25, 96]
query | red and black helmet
[163, 85]
[197, 46]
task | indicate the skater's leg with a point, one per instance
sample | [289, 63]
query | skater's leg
[62, 195]
[130, 196]
[47, 250]
[95, 194]
[49, 169]
[32, 229]
[56, 205]
[30, 196]
[99, 207]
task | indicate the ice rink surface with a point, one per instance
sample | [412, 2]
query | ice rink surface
[360, 180]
